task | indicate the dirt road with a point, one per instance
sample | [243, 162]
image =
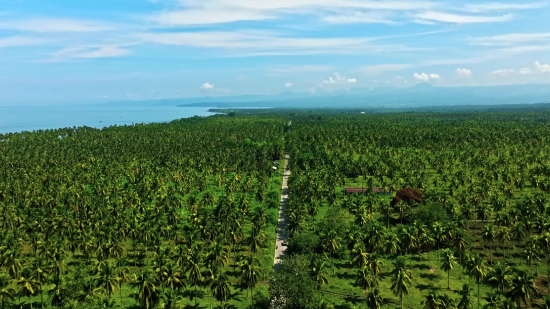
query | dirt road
[282, 233]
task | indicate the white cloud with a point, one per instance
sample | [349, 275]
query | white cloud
[250, 40]
[341, 11]
[54, 25]
[423, 77]
[211, 16]
[337, 81]
[90, 52]
[17, 41]
[207, 86]
[503, 72]
[542, 67]
[359, 17]
[502, 7]
[289, 85]
[380, 69]
[443, 17]
[463, 73]
[511, 39]
[302, 69]
[265, 43]
[524, 71]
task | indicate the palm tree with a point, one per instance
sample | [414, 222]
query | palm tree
[376, 301]
[221, 288]
[7, 294]
[107, 278]
[465, 301]
[122, 276]
[360, 258]
[88, 290]
[530, 255]
[171, 299]
[331, 243]
[365, 279]
[40, 272]
[148, 295]
[545, 304]
[171, 277]
[478, 269]
[318, 273]
[27, 285]
[523, 289]
[401, 279]
[431, 301]
[250, 274]
[59, 293]
[391, 243]
[193, 270]
[446, 302]
[500, 277]
[449, 264]
[493, 301]
[488, 235]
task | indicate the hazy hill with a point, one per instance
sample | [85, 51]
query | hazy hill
[387, 97]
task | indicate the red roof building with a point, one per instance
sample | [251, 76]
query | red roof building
[362, 190]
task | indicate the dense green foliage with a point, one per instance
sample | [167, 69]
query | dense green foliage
[184, 213]
[161, 214]
[483, 217]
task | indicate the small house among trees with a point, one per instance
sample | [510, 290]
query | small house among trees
[362, 190]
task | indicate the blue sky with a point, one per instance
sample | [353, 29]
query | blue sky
[74, 52]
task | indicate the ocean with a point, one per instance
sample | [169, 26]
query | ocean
[30, 118]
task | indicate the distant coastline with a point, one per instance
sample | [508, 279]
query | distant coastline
[31, 118]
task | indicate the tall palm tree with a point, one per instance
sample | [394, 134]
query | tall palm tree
[331, 243]
[449, 263]
[446, 302]
[171, 277]
[465, 300]
[58, 294]
[194, 270]
[7, 294]
[88, 290]
[250, 274]
[171, 299]
[431, 301]
[148, 295]
[107, 278]
[221, 288]
[27, 285]
[360, 258]
[523, 290]
[499, 277]
[375, 300]
[401, 279]
[545, 304]
[478, 269]
[493, 301]
[122, 276]
[365, 279]
[488, 235]
[318, 273]
[40, 272]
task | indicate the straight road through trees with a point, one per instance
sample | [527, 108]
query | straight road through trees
[282, 233]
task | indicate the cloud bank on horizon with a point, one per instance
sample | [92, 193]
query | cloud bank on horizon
[83, 51]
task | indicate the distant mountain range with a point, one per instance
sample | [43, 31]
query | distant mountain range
[421, 95]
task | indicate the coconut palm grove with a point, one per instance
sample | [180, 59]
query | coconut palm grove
[450, 210]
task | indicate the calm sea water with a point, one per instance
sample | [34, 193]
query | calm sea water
[26, 118]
